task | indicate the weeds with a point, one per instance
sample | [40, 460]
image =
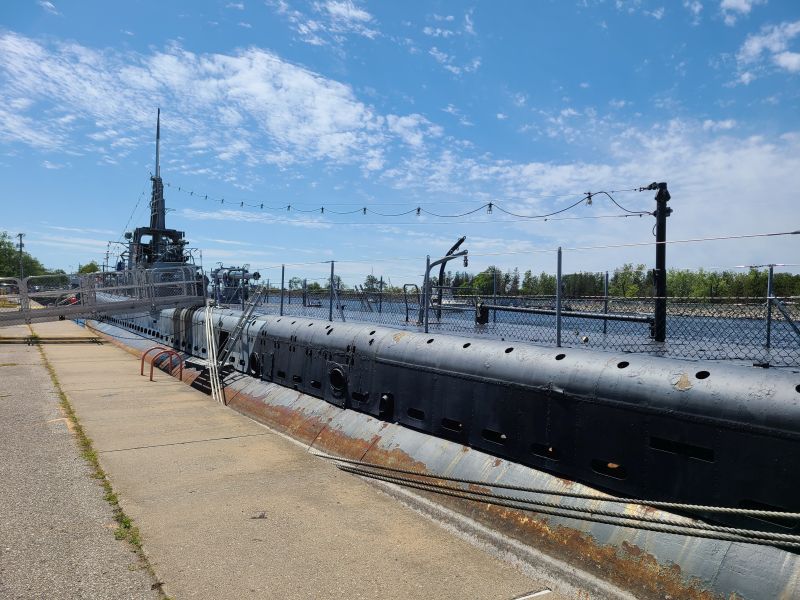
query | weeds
[125, 529]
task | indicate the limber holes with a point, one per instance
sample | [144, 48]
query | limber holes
[490, 435]
[416, 414]
[544, 451]
[452, 425]
[675, 447]
[609, 469]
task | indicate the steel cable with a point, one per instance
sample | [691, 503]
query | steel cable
[654, 503]
[659, 525]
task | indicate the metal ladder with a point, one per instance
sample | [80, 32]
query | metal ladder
[227, 347]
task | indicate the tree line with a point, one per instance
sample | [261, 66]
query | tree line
[9, 261]
[630, 281]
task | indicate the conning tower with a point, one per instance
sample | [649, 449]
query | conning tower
[155, 246]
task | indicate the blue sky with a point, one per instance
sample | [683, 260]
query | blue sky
[396, 105]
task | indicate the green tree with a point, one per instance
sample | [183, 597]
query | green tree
[629, 281]
[513, 288]
[528, 283]
[91, 267]
[9, 259]
[547, 284]
[487, 281]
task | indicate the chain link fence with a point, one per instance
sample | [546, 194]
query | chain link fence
[760, 330]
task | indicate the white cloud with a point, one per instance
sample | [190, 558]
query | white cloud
[249, 105]
[695, 7]
[244, 216]
[657, 13]
[447, 61]
[709, 175]
[333, 22]
[733, 9]
[80, 229]
[438, 32]
[48, 6]
[469, 25]
[502, 116]
[727, 124]
[245, 25]
[412, 129]
[462, 119]
[345, 11]
[49, 165]
[585, 85]
[618, 103]
[772, 42]
[788, 60]
[235, 5]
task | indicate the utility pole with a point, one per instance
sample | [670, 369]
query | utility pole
[21, 246]
[660, 273]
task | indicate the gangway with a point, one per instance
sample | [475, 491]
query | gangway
[227, 347]
[59, 296]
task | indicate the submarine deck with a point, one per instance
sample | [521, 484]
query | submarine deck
[225, 507]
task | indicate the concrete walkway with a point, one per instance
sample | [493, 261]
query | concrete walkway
[56, 530]
[228, 509]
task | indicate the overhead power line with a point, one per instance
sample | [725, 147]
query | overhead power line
[418, 210]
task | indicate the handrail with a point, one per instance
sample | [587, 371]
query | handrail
[169, 353]
[146, 352]
[162, 351]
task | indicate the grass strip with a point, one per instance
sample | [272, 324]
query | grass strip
[126, 530]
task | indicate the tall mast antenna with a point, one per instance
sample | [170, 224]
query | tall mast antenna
[157, 209]
[158, 142]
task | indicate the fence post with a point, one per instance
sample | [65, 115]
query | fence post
[380, 296]
[605, 303]
[494, 294]
[330, 298]
[305, 293]
[660, 313]
[770, 295]
[283, 275]
[558, 299]
[425, 292]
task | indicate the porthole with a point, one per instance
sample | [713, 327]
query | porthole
[623, 364]
[337, 379]
[509, 350]
[702, 374]
[561, 356]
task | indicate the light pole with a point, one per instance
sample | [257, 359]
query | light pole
[21, 246]
[660, 273]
